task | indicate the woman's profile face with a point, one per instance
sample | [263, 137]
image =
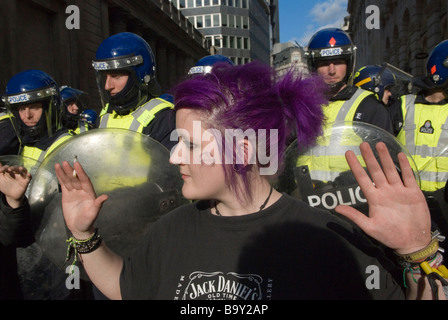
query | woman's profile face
[198, 158]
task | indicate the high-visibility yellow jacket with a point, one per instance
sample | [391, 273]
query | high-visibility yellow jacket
[425, 135]
[327, 160]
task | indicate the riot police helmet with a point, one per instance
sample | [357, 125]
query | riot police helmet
[90, 117]
[331, 44]
[374, 78]
[205, 64]
[129, 54]
[69, 97]
[33, 88]
[437, 65]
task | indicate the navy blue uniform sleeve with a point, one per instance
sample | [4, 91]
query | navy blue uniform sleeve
[15, 225]
[9, 143]
[372, 111]
[396, 115]
[161, 127]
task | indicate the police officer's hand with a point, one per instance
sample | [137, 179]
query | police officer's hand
[14, 181]
[80, 205]
[398, 213]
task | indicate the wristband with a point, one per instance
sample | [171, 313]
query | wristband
[82, 246]
[423, 254]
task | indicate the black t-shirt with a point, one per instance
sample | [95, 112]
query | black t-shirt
[370, 110]
[287, 251]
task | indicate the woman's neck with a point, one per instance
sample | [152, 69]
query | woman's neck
[263, 196]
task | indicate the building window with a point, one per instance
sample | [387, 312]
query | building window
[295, 58]
[216, 20]
[231, 21]
[245, 22]
[199, 22]
[208, 21]
[206, 3]
[232, 42]
[198, 3]
[217, 41]
[190, 3]
[238, 22]
[225, 41]
[224, 20]
[246, 43]
[239, 43]
[216, 2]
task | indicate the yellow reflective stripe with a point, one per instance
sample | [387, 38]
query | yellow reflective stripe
[113, 120]
[32, 152]
[57, 143]
[360, 83]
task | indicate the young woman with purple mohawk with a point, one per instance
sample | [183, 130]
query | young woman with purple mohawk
[242, 239]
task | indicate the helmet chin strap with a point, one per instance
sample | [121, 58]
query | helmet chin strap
[334, 88]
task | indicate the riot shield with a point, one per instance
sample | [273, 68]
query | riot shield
[132, 168]
[17, 160]
[321, 176]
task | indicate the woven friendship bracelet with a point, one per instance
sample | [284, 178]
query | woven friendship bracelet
[82, 246]
[88, 245]
[427, 253]
[421, 255]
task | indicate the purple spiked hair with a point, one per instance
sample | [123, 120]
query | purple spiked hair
[251, 96]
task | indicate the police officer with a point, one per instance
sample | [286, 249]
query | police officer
[377, 79]
[126, 74]
[422, 120]
[331, 54]
[34, 100]
[75, 102]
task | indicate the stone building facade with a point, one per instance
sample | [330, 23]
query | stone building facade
[34, 35]
[408, 31]
[289, 55]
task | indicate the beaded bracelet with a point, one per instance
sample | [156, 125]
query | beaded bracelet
[82, 246]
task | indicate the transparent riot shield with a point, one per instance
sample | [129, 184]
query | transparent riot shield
[17, 160]
[131, 168]
[321, 176]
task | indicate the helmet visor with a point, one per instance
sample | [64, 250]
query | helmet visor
[114, 64]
